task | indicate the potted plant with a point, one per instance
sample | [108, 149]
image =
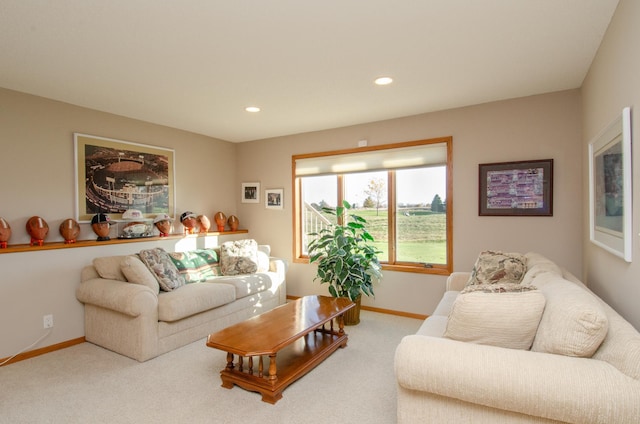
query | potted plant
[345, 259]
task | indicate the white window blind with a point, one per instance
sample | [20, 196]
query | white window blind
[373, 160]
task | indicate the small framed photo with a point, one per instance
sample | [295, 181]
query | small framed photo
[250, 193]
[523, 188]
[274, 198]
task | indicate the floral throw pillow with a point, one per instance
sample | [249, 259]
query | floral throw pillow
[239, 257]
[163, 268]
[493, 267]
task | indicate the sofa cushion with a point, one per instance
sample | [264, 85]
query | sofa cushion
[493, 267]
[109, 267]
[138, 273]
[573, 323]
[239, 257]
[196, 265]
[501, 318]
[193, 299]
[163, 268]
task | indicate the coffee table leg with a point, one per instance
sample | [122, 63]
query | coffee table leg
[273, 377]
[230, 361]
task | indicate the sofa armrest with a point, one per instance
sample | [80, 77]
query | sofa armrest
[126, 298]
[567, 389]
[457, 281]
[278, 265]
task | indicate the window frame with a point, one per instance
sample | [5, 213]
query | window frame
[438, 269]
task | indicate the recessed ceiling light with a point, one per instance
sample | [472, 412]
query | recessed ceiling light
[383, 80]
[252, 109]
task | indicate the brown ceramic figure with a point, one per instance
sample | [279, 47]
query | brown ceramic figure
[163, 224]
[101, 225]
[188, 221]
[233, 222]
[69, 230]
[221, 220]
[5, 233]
[38, 230]
[204, 223]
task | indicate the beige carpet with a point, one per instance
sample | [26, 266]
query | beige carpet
[88, 384]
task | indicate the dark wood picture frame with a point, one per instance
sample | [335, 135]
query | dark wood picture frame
[523, 188]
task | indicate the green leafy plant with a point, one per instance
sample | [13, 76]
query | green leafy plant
[345, 261]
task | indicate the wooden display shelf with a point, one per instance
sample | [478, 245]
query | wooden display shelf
[87, 243]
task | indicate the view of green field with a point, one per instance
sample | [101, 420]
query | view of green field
[421, 234]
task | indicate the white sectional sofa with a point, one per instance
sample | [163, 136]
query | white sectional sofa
[583, 365]
[127, 312]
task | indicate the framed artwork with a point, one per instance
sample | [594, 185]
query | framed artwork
[274, 198]
[610, 199]
[523, 188]
[250, 193]
[112, 176]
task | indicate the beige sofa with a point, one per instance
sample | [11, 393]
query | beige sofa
[441, 380]
[127, 313]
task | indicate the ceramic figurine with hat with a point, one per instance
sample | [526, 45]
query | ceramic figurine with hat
[38, 230]
[101, 225]
[188, 221]
[69, 230]
[162, 222]
[5, 233]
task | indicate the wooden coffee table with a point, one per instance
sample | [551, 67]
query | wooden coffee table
[295, 337]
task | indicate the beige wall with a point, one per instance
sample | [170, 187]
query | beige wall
[613, 83]
[36, 138]
[538, 127]
[36, 162]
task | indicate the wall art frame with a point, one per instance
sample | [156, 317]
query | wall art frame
[521, 188]
[112, 176]
[274, 198]
[250, 193]
[610, 188]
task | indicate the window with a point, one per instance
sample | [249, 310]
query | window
[403, 190]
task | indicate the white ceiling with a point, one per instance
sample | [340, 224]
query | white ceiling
[310, 65]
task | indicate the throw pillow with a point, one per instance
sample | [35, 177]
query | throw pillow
[493, 267]
[196, 265]
[496, 316]
[239, 257]
[138, 273]
[573, 323]
[161, 265]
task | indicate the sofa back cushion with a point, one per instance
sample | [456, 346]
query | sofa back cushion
[138, 273]
[108, 267]
[573, 323]
[493, 267]
[496, 315]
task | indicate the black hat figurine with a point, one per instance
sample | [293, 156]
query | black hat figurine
[100, 223]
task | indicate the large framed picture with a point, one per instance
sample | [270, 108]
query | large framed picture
[610, 200]
[250, 193]
[113, 176]
[523, 188]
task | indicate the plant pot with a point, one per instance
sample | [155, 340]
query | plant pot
[352, 316]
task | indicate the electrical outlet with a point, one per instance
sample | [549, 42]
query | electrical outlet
[47, 321]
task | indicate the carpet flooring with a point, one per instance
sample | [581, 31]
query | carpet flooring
[88, 384]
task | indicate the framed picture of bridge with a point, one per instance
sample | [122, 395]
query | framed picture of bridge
[112, 176]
